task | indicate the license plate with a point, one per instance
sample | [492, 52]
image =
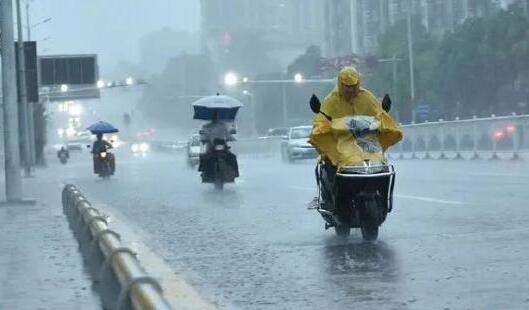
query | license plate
[219, 147]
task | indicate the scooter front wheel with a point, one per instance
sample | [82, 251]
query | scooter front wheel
[219, 186]
[342, 230]
[369, 220]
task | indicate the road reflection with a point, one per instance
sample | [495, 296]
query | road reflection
[366, 273]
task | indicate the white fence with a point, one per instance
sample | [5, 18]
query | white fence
[470, 138]
[476, 136]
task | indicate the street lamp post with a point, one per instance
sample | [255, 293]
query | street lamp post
[28, 30]
[410, 53]
[251, 101]
[28, 25]
[284, 103]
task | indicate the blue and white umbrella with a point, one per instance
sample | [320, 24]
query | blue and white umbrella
[102, 127]
[226, 107]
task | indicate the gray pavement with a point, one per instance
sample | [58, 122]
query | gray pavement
[456, 239]
[40, 266]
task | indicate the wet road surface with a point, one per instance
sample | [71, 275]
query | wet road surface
[457, 238]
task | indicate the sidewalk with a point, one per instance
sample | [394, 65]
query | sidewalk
[40, 265]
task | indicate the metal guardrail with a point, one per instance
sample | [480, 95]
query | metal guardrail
[120, 280]
[495, 134]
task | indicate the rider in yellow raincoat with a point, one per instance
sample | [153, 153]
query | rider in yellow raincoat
[333, 139]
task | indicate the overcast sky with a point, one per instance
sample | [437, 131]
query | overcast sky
[109, 28]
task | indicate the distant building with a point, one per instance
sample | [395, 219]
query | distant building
[338, 31]
[288, 26]
[370, 18]
[522, 4]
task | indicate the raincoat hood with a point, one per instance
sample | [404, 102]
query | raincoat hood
[348, 76]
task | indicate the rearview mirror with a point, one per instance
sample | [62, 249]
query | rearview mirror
[315, 104]
[386, 103]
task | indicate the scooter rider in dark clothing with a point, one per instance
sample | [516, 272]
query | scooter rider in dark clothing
[216, 130]
[63, 150]
[98, 147]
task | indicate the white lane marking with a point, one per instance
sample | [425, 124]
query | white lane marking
[429, 199]
[509, 175]
[426, 199]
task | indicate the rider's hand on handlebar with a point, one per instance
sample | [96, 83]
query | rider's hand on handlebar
[374, 126]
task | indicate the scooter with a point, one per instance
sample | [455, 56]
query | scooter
[105, 164]
[218, 166]
[358, 196]
[63, 156]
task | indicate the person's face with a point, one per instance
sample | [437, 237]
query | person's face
[350, 91]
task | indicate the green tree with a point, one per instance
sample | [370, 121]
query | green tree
[482, 56]
[308, 64]
[467, 72]
[394, 43]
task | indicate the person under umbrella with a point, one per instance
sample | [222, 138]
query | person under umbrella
[214, 132]
[100, 145]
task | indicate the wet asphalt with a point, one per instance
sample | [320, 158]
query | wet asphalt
[457, 238]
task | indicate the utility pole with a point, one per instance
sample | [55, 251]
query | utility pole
[251, 102]
[31, 107]
[13, 179]
[284, 101]
[23, 102]
[394, 84]
[410, 53]
[394, 59]
[28, 27]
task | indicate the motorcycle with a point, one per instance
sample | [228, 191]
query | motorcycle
[358, 196]
[63, 156]
[105, 166]
[218, 166]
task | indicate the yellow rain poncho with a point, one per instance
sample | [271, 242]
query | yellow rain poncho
[333, 139]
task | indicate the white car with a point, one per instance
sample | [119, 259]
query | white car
[296, 146]
[140, 148]
[79, 141]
